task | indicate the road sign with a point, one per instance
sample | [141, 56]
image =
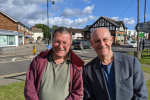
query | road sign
[143, 27]
[141, 34]
[50, 30]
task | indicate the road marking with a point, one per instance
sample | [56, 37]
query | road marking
[120, 48]
[26, 72]
[13, 59]
[85, 52]
[14, 74]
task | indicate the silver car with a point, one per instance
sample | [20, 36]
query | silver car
[132, 44]
[82, 45]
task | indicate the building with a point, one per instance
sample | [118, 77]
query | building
[116, 28]
[76, 33]
[37, 34]
[86, 33]
[132, 35]
[13, 32]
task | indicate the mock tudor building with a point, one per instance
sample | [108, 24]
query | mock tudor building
[116, 28]
[13, 32]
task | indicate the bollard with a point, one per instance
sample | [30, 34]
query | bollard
[147, 49]
[34, 49]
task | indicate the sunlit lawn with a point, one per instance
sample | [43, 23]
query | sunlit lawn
[145, 59]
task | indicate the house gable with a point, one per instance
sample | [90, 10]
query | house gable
[103, 22]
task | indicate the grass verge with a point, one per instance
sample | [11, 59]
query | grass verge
[145, 59]
[12, 91]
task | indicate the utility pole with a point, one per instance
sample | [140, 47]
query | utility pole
[47, 22]
[138, 23]
[138, 53]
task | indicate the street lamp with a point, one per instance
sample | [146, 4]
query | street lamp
[48, 19]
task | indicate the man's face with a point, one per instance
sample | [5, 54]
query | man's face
[101, 41]
[61, 44]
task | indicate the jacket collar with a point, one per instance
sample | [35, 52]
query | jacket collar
[74, 58]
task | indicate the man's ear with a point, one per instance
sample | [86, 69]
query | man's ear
[91, 43]
[111, 38]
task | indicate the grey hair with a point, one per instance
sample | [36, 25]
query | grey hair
[62, 30]
[97, 28]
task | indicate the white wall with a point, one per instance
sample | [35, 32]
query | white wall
[132, 33]
[77, 35]
[36, 34]
[16, 40]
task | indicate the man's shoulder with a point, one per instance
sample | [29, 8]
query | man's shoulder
[123, 56]
[92, 62]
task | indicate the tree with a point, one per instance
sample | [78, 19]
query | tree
[44, 29]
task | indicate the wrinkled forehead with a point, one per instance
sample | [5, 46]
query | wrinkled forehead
[100, 33]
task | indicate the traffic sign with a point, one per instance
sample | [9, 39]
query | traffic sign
[50, 30]
[141, 35]
[143, 27]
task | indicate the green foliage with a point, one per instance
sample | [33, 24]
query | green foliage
[45, 29]
[14, 91]
[148, 88]
[146, 69]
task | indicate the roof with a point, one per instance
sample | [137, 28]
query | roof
[37, 30]
[116, 23]
[13, 19]
[75, 30]
[8, 16]
[86, 28]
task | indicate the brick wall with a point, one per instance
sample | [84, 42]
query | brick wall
[7, 24]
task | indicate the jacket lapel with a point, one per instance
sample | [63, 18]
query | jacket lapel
[117, 71]
[100, 76]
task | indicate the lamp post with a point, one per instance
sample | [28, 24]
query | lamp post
[48, 19]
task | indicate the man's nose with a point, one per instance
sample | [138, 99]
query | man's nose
[60, 45]
[102, 43]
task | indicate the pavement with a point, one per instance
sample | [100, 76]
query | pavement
[26, 52]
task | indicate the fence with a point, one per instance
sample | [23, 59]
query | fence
[6, 50]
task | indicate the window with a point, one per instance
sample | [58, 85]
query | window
[22, 27]
[134, 33]
[117, 29]
[25, 29]
[129, 33]
[18, 26]
[7, 40]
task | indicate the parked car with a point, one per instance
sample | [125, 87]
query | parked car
[132, 44]
[148, 41]
[82, 45]
[74, 42]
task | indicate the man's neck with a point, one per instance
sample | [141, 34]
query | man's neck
[59, 60]
[106, 60]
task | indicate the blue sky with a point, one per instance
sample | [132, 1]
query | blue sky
[74, 13]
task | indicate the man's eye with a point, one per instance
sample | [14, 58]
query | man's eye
[97, 41]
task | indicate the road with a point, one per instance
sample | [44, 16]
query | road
[15, 67]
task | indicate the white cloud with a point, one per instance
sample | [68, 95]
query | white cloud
[88, 9]
[60, 21]
[91, 17]
[77, 12]
[129, 21]
[30, 13]
[86, 1]
[115, 18]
